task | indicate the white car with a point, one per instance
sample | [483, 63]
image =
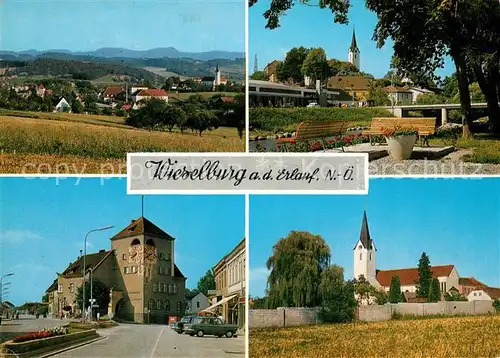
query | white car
[312, 104]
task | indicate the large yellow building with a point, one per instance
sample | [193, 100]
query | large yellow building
[145, 284]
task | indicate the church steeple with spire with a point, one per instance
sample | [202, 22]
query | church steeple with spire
[217, 75]
[364, 254]
[354, 54]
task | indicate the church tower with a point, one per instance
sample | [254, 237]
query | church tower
[365, 254]
[353, 55]
[217, 75]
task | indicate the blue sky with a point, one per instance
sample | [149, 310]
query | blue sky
[82, 25]
[313, 27]
[43, 225]
[453, 221]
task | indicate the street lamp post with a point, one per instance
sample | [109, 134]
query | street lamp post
[2, 284]
[84, 266]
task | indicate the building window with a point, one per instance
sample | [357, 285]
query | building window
[360, 256]
[161, 255]
[134, 269]
[126, 269]
[480, 294]
[155, 287]
[179, 306]
[71, 288]
[167, 305]
[174, 288]
[370, 256]
[158, 305]
[169, 288]
[59, 288]
[151, 304]
[197, 304]
[160, 287]
[124, 256]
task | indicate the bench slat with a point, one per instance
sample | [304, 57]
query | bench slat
[317, 129]
[426, 126]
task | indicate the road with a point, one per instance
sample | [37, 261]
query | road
[156, 341]
[26, 324]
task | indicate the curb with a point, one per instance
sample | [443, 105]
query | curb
[72, 347]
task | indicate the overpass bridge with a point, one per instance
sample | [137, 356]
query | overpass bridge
[402, 110]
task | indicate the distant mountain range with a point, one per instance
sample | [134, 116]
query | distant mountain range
[110, 52]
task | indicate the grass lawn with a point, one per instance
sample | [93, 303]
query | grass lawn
[69, 143]
[485, 149]
[440, 337]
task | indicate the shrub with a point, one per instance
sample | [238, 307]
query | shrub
[45, 333]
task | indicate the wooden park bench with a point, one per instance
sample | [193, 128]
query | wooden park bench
[424, 126]
[316, 130]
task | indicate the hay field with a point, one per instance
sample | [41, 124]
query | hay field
[438, 337]
[37, 142]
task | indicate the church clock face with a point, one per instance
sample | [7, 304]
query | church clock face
[135, 254]
[149, 254]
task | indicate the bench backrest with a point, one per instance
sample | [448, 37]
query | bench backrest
[320, 129]
[425, 126]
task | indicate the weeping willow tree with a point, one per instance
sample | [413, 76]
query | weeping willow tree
[295, 266]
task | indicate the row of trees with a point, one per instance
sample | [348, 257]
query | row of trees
[425, 33]
[195, 114]
[312, 62]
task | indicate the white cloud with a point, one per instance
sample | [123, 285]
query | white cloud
[16, 236]
[259, 274]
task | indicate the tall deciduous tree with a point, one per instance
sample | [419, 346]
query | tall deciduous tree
[206, 283]
[292, 66]
[316, 65]
[424, 276]
[337, 296]
[100, 292]
[295, 270]
[395, 295]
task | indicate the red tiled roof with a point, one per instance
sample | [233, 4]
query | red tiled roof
[142, 226]
[493, 292]
[153, 93]
[408, 276]
[470, 281]
[126, 106]
[113, 91]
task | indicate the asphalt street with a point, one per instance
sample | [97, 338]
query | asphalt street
[156, 341]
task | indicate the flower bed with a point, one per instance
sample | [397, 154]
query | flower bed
[323, 144]
[45, 333]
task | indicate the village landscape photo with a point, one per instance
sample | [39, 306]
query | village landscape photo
[89, 271]
[413, 84]
[109, 78]
[410, 270]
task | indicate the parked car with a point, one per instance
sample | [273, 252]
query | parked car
[312, 104]
[200, 326]
[179, 326]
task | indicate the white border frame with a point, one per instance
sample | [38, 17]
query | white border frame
[250, 192]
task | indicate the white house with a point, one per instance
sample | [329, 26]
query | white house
[484, 294]
[416, 91]
[62, 106]
[197, 303]
[136, 88]
[149, 94]
[399, 95]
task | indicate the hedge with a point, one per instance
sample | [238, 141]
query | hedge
[285, 119]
